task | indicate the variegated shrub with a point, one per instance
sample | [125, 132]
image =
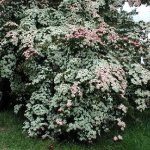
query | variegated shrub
[76, 70]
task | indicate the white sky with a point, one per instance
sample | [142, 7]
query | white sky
[144, 12]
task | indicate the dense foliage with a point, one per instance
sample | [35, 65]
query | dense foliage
[77, 69]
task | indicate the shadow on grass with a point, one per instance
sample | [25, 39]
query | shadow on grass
[136, 137]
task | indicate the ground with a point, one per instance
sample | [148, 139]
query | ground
[136, 137]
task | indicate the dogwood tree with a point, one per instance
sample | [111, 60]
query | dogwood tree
[75, 70]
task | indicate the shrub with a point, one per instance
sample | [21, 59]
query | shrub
[73, 72]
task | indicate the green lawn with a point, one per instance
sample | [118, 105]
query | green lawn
[136, 137]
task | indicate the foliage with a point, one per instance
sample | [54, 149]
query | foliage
[76, 70]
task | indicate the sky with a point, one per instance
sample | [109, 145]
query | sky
[144, 12]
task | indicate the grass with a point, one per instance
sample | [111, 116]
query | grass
[136, 137]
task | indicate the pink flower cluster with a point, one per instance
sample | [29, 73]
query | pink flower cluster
[113, 37]
[119, 73]
[69, 103]
[13, 37]
[117, 138]
[2, 1]
[111, 76]
[59, 122]
[125, 38]
[134, 2]
[123, 108]
[29, 53]
[136, 43]
[104, 76]
[88, 35]
[11, 24]
[121, 124]
[102, 28]
[75, 90]
[60, 110]
[95, 35]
